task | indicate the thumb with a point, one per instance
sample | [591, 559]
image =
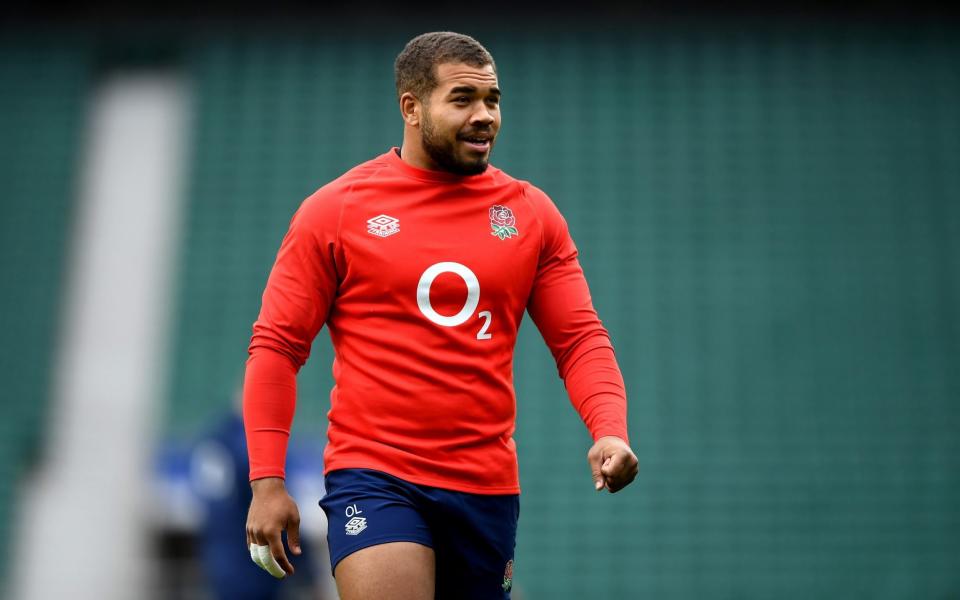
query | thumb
[597, 471]
[293, 536]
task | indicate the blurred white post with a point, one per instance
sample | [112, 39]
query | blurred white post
[82, 531]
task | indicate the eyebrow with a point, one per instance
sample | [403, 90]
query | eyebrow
[469, 89]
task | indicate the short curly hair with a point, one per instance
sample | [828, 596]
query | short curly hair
[415, 68]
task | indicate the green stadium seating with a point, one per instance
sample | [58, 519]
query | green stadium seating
[43, 86]
[768, 217]
[768, 220]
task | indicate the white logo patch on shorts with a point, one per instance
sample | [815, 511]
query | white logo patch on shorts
[355, 525]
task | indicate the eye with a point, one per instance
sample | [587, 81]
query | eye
[462, 100]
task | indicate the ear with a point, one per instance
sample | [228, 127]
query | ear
[410, 108]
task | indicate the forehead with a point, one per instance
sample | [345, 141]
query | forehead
[451, 75]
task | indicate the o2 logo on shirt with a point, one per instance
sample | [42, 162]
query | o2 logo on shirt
[473, 297]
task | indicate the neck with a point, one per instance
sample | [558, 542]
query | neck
[412, 153]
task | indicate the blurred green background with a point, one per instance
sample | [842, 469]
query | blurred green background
[768, 215]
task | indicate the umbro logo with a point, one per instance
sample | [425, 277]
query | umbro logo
[355, 525]
[383, 225]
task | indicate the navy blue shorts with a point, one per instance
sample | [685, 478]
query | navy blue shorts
[472, 535]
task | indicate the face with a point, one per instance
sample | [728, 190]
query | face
[461, 118]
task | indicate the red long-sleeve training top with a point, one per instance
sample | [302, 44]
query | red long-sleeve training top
[422, 278]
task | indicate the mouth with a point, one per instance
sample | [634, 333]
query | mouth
[477, 143]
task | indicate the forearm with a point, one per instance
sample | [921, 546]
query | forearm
[596, 389]
[269, 402]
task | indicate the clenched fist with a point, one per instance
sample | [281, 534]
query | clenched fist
[612, 463]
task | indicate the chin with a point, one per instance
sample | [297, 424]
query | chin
[475, 167]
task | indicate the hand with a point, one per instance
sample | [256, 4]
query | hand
[612, 463]
[272, 511]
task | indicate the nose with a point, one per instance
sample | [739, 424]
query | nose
[481, 117]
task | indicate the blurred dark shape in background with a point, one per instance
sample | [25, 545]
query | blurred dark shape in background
[202, 499]
[493, 12]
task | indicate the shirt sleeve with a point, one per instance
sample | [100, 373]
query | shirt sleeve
[561, 307]
[296, 301]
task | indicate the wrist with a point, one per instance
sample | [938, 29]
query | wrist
[611, 437]
[267, 485]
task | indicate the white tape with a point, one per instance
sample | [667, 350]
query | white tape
[268, 562]
[254, 555]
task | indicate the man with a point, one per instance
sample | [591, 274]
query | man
[421, 263]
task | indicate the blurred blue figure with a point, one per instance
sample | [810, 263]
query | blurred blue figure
[218, 472]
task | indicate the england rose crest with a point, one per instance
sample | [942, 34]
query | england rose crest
[508, 576]
[502, 222]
